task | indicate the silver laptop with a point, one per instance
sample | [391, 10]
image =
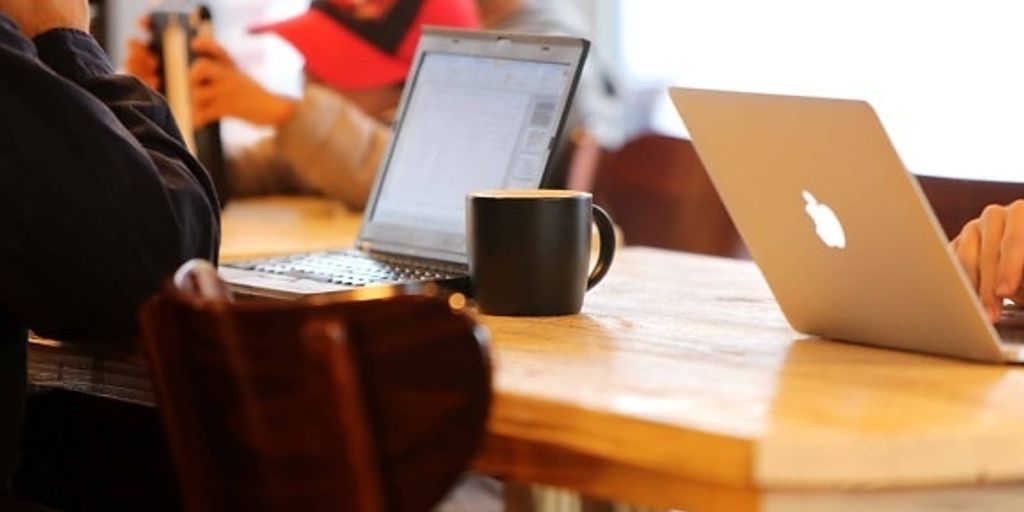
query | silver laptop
[481, 110]
[842, 232]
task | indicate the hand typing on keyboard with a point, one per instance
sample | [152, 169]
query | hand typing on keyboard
[991, 250]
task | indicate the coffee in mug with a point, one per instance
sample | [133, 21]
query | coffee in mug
[529, 250]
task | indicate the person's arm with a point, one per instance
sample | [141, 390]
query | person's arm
[260, 169]
[991, 251]
[333, 146]
[99, 199]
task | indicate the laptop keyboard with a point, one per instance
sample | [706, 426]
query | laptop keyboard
[1013, 336]
[1011, 325]
[354, 268]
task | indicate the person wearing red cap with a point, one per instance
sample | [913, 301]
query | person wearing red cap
[329, 142]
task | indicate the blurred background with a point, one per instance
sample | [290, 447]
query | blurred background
[943, 75]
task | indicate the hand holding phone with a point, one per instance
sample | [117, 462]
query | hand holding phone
[222, 89]
[141, 61]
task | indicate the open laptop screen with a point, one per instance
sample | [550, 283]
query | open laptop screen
[472, 124]
[468, 123]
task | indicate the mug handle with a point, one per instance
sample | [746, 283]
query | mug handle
[606, 232]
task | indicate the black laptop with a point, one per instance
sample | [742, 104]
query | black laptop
[481, 110]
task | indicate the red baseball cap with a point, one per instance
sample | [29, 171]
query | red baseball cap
[361, 44]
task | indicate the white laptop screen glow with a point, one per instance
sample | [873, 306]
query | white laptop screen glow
[472, 123]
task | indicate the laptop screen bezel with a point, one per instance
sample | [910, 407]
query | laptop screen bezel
[408, 241]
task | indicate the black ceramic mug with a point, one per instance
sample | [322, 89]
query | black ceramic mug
[529, 250]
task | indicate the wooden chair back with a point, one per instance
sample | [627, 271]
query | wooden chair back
[656, 189]
[370, 405]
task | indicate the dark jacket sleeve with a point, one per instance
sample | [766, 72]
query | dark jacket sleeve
[99, 199]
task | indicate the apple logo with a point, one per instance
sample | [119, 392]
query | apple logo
[826, 223]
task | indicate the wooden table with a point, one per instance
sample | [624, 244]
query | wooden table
[682, 386]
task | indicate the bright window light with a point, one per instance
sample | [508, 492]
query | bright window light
[945, 76]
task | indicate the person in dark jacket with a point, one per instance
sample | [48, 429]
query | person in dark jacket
[99, 199]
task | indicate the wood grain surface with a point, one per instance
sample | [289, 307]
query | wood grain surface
[681, 385]
[282, 225]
